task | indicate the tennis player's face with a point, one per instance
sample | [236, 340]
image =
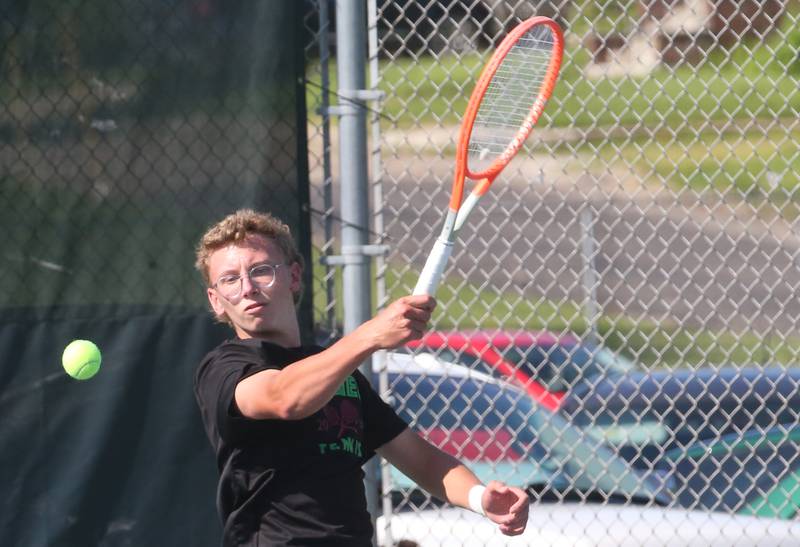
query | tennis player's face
[259, 309]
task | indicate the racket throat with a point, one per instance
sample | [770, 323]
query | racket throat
[449, 227]
[463, 213]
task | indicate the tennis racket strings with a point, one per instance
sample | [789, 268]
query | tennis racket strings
[511, 102]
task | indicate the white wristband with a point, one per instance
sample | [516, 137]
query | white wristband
[475, 495]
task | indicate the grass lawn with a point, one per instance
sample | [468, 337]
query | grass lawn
[751, 81]
[729, 123]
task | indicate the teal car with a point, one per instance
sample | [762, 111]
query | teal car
[756, 473]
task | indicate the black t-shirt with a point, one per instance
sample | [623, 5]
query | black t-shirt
[297, 482]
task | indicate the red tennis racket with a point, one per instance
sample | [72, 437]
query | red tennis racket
[505, 105]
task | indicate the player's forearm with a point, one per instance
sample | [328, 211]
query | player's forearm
[451, 481]
[435, 471]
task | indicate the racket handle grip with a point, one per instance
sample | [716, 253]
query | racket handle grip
[434, 267]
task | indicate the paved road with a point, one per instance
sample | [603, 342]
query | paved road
[711, 266]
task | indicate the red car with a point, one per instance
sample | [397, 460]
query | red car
[544, 363]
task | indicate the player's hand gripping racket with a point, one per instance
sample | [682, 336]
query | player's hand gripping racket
[504, 106]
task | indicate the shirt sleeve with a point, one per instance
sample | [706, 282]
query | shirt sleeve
[381, 422]
[216, 383]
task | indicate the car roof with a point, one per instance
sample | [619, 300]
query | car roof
[655, 389]
[749, 440]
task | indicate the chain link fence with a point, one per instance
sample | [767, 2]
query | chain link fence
[634, 272]
[127, 128]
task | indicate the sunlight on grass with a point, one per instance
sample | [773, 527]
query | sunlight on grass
[751, 163]
[727, 94]
[649, 343]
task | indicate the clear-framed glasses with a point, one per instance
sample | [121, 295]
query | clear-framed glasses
[261, 276]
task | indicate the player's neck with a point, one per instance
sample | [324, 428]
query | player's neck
[288, 338]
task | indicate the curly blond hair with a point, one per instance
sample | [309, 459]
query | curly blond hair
[235, 227]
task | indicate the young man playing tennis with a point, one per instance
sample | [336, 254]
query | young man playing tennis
[292, 425]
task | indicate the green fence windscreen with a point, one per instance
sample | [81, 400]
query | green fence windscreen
[126, 128]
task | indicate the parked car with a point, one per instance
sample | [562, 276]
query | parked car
[582, 492]
[546, 364]
[500, 429]
[752, 473]
[646, 414]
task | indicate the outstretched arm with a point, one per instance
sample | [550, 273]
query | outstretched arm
[302, 388]
[448, 479]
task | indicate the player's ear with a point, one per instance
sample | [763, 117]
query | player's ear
[214, 301]
[296, 273]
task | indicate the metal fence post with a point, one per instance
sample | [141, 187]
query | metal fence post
[351, 62]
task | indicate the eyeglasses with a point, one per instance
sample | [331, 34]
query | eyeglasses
[261, 276]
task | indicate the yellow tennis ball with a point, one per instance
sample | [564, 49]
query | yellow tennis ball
[81, 359]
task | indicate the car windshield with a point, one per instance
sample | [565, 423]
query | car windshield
[560, 366]
[502, 434]
[755, 473]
